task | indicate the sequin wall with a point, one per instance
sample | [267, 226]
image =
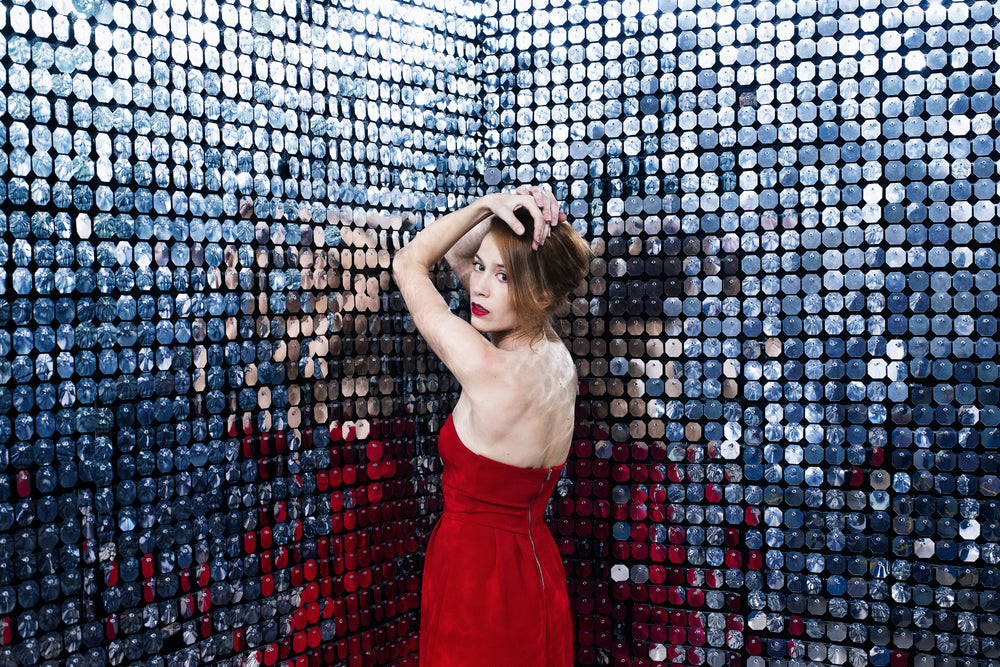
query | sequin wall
[208, 395]
[788, 430]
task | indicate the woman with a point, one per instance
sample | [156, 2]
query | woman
[494, 588]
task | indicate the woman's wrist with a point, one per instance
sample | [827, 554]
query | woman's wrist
[485, 206]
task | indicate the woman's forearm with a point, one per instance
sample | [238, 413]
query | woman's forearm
[431, 244]
[467, 246]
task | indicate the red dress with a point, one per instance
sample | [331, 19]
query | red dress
[494, 587]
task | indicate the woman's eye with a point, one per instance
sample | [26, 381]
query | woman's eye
[502, 276]
[477, 266]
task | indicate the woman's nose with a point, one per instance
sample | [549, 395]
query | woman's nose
[478, 285]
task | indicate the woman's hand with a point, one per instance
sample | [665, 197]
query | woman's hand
[542, 206]
[549, 206]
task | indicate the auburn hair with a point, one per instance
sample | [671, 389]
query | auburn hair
[539, 281]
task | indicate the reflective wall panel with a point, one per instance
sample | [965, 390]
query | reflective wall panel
[212, 409]
[788, 420]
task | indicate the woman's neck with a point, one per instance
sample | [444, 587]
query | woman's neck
[513, 340]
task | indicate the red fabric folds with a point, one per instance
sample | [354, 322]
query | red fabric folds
[483, 600]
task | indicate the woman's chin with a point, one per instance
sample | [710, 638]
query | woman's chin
[482, 327]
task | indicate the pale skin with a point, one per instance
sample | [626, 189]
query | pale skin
[518, 398]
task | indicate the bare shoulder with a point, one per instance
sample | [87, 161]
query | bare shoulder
[527, 418]
[545, 371]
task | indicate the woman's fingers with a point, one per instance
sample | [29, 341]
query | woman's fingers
[527, 202]
[548, 204]
[543, 207]
[545, 236]
[504, 206]
[542, 200]
[552, 213]
[554, 204]
[546, 201]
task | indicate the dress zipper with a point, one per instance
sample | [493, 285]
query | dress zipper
[532, 539]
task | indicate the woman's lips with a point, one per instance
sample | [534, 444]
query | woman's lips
[479, 311]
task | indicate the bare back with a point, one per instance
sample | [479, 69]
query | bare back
[526, 417]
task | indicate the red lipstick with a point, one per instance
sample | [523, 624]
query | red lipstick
[479, 311]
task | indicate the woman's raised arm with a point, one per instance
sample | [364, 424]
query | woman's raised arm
[459, 257]
[467, 354]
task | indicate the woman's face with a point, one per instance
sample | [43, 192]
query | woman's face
[492, 311]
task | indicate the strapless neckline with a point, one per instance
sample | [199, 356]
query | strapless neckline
[451, 422]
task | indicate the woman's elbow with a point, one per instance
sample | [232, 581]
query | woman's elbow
[402, 265]
[398, 264]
